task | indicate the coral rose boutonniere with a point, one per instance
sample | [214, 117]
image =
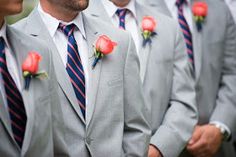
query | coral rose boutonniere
[200, 11]
[30, 68]
[103, 47]
[148, 29]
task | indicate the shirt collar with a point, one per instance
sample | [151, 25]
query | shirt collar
[53, 23]
[3, 33]
[111, 8]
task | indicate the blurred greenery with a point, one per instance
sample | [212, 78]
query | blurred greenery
[27, 8]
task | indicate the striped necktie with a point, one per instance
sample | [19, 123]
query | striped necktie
[14, 99]
[121, 13]
[185, 29]
[74, 66]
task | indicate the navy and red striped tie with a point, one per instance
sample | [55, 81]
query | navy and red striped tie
[185, 29]
[74, 66]
[121, 13]
[14, 99]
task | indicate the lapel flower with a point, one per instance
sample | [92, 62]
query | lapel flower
[200, 11]
[103, 47]
[148, 28]
[30, 68]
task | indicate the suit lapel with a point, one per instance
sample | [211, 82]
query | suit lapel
[28, 97]
[197, 47]
[144, 52]
[20, 52]
[94, 74]
[37, 28]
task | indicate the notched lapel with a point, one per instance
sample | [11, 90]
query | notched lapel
[28, 97]
[20, 52]
[197, 47]
[94, 74]
[144, 51]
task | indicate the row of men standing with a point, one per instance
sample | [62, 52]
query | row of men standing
[171, 95]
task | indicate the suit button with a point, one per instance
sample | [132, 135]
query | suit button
[88, 140]
[197, 89]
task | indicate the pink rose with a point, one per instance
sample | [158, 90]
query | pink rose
[148, 24]
[200, 9]
[31, 63]
[105, 45]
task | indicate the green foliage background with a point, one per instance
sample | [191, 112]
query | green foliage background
[28, 7]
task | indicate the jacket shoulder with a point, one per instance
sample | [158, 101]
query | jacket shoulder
[27, 40]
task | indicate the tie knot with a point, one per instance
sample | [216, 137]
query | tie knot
[180, 3]
[67, 29]
[121, 12]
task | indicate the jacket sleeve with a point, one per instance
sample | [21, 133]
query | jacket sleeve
[225, 109]
[181, 116]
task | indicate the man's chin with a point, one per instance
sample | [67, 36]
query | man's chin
[82, 8]
[16, 10]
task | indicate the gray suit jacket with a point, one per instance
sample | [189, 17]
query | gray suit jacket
[167, 82]
[41, 104]
[116, 118]
[215, 53]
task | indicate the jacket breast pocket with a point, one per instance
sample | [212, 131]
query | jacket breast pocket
[162, 59]
[44, 99]
[115, 82]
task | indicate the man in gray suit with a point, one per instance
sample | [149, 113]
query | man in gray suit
[112, 120]
[26, 113]
[215, 51]
[165, 73]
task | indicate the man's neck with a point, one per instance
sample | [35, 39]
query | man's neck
[1, 22]
[121, 3]
[59, 12]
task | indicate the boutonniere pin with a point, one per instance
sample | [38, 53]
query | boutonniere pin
[30, 68]
[103, 47]
[148, 28]
[200, 11]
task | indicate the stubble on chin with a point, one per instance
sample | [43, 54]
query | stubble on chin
[76, 5]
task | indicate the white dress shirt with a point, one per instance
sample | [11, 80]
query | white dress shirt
[61, 41]
[189, 18]
[186, 10]
[131, 24]
[232, 7]
[11, 65]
